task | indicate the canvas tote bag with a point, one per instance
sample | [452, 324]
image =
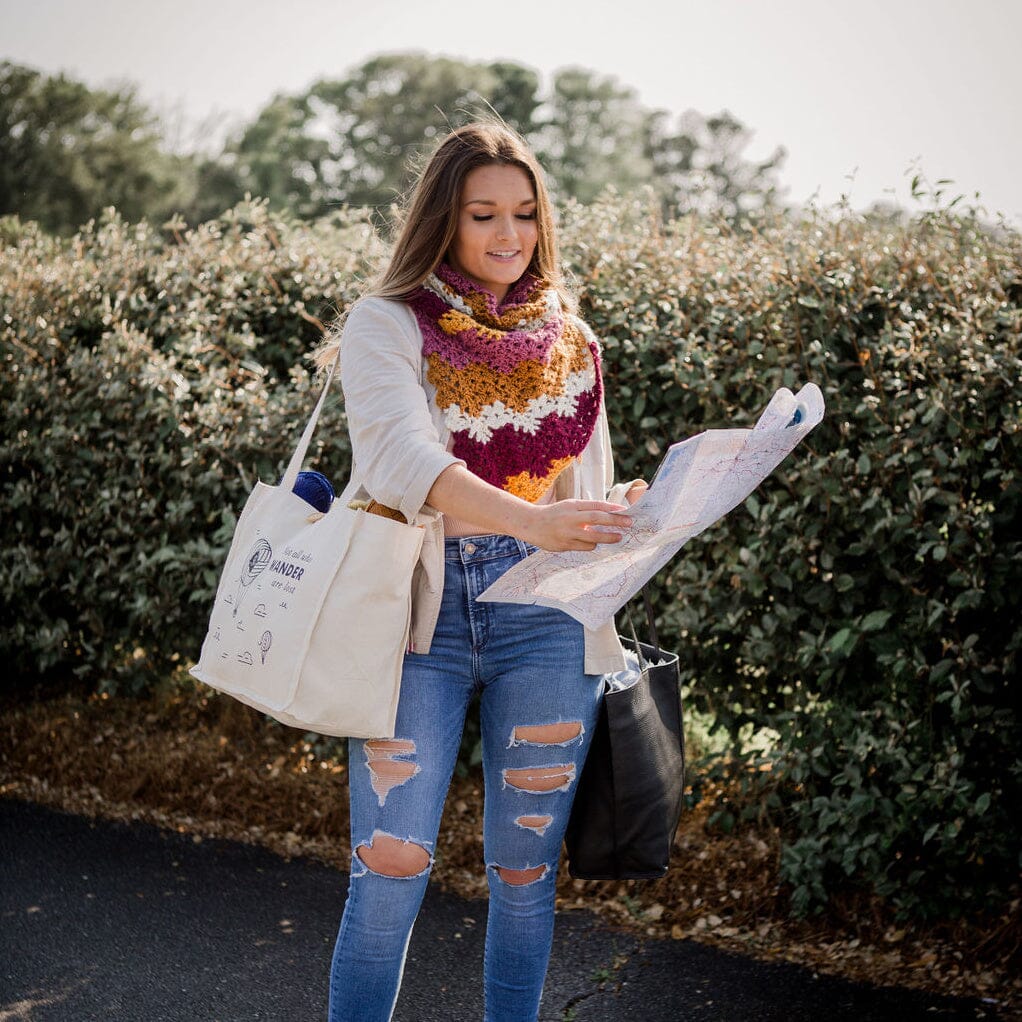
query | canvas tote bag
[312, 613]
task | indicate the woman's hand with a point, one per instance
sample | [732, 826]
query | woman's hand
[636, 491]
[575, 524]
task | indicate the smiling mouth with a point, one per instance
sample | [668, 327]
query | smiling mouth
[505, 255]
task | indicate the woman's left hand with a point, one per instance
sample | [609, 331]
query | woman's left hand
[635, 491]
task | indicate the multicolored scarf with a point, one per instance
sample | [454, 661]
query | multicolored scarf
[519, 383]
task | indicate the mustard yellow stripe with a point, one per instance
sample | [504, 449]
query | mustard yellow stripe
[479, 385]
[530, 487]
[534, 309]
[455, 322]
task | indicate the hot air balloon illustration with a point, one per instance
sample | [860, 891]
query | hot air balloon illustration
[259, 557]
[265, 641]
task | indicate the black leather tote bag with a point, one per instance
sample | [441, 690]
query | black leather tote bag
[630, 793]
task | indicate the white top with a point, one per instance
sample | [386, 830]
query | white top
[399, 445]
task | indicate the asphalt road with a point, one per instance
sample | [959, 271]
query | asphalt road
[109, 922]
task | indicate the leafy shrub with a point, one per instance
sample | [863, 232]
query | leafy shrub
[149, 379]
[864, 604]
[867, 602]
[930, 828]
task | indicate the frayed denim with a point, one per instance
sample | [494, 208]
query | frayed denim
[537, 712]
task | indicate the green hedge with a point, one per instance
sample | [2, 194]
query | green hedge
[867, 603]
[149, 379]
[864, 605]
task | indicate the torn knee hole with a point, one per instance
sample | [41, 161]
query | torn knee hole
[541, 779]
[386, 748]
[560, 733]
[521, 877]
[391, 857]
[538, 824]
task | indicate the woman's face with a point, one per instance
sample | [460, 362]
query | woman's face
[496, 233]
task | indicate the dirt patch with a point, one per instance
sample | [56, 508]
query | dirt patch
[204, 764]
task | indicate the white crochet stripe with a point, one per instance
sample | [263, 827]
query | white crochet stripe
[451, 297]
[492, 416]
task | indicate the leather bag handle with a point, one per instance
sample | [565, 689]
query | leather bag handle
[654, 640]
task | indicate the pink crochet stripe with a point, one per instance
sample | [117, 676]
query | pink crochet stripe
[467, 346]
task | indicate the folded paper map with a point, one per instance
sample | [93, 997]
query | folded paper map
[698, 482]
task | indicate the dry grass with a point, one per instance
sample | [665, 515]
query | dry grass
[206, 765]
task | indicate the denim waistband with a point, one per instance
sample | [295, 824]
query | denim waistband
[472, 549]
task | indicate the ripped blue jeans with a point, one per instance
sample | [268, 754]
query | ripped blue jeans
[537, 711]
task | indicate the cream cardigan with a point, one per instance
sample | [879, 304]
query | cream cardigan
[399, 446]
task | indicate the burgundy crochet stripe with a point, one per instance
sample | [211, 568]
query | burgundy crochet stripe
[510, 451]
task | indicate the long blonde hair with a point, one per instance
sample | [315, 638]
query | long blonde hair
[431, 219]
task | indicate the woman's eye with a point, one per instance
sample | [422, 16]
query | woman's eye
[480, 217]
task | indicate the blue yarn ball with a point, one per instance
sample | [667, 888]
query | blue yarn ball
[315, 489]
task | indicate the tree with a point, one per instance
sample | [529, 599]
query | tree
[66, 151]
[279, 157]
[357, 140]
[699, 167]
[594, 133]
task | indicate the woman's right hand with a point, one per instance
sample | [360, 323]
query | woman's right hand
[576, 524]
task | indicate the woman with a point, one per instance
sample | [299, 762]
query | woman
[472, 390]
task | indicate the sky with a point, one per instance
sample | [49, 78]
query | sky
[860, 95]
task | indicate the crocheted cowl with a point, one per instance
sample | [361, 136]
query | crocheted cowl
[518, 382]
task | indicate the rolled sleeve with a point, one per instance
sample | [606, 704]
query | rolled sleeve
[614, 492]
[395, 445]
[608, 452]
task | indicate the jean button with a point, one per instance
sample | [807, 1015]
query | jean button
[470, 548]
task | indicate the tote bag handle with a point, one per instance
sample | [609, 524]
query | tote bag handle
[298, 458]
